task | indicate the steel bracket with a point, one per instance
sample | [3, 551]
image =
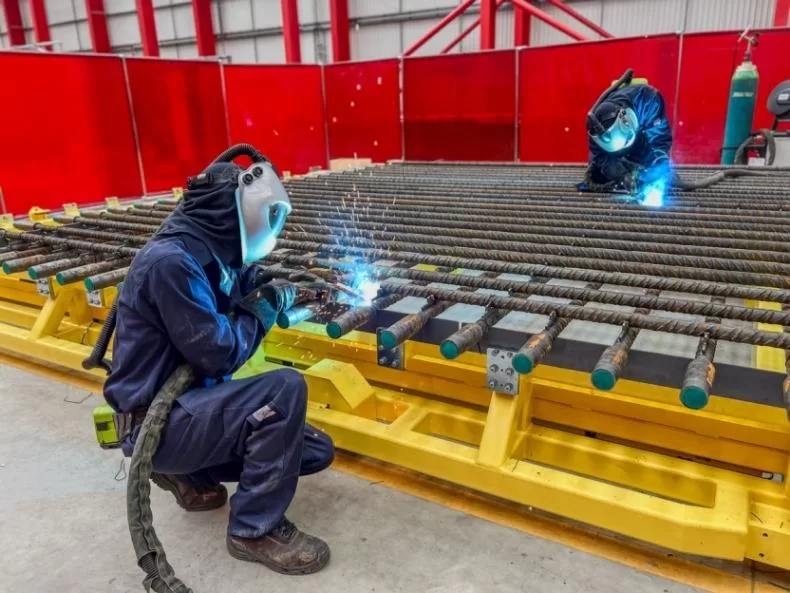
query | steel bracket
[392, 358]
[500, 374]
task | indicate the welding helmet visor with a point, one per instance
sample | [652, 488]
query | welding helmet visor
[619, 132]
[263, 204]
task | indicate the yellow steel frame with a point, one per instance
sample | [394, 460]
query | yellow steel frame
[691, 481]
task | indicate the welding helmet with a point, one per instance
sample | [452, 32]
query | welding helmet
[263, 204]
[613, 127]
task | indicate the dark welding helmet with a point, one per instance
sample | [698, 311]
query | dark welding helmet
[263, 205]
[616, 129]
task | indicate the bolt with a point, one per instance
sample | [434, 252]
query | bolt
[394, 364]
[257, 171]
[509, 372]
[492, 384]
[495, 352]
[510, 387]
[493, 368]
[247, 178]
[382, 360]
[509, 354]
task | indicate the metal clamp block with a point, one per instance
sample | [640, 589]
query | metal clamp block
[44, 287]
[392, 358]
[500, 374]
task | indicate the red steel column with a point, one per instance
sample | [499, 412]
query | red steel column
[782, 13]
[38, 11]
[13, 22]
[97, 24]
[293, 48]
[487, 24]
[341, 51]
[523, 21]
[145, 17]
[204, 28]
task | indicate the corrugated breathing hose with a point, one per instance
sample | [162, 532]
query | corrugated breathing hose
[717, 177]
[741, 155]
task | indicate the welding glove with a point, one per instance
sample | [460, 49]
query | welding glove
[270, 299]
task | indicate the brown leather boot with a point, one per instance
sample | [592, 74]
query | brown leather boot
[189, 497]
[284, 549]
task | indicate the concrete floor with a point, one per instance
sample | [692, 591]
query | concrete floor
[63, 525]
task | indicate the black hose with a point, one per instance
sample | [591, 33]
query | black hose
[594, 124]
[717, 177]
[238, 150]
[741, 155]
[96, 359]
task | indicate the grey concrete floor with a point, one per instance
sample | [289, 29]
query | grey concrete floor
[63, 529]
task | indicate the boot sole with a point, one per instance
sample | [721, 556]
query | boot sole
[172, 489]
[320, 562]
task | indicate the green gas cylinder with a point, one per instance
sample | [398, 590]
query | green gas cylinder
[740, 110]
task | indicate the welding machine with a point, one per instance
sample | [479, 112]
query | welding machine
[770, 147]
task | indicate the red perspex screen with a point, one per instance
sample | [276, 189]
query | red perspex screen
[280, 110]
[558, 85]
[460, 107]
[66, 132]
[706, 67]
[180, 115]
[363, 110]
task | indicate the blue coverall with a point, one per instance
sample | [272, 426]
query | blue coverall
[651, 149]
[172, 308]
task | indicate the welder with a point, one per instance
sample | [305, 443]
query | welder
[183, 301]
[629, 137]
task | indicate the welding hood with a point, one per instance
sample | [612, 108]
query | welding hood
[263, 204]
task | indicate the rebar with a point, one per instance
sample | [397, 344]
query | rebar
[469, 335]
[18, 265]
[105, 279]
[700, 374]
[45, 270]
[538, 346]
[354, 318]
[402, 330]
[79, 273]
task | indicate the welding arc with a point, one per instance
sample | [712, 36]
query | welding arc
[645, 302]
[545, 271]
[677, 248]
[658, 324]
[641, 263]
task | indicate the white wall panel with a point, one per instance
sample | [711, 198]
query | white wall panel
[184, 22]
[710, 15]
[67, 35]
[369, 42]
[472, 41]
[307, 10]
[241, 51]
[270, 49]
[266, 14]
[60, 11]
[165, 28]
[363, 8]
[627, 18]
[413, 30]
[188, 51]
[116, 6]
[505, 22]
[84, 35]
[409, 5]
[124, 30]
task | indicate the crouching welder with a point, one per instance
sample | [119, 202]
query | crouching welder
[629, 137]
[183, 304]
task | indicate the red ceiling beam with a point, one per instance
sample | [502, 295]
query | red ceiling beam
[145, 17]
[522, 25]
[581, 18]
[465, 33]
[204, 28]
[38, 11]
[97, 25]
[782, 13]
[549, 20]
[454, 14]
[293, 47]
[341, 46]
[487, 24]
[13, 22]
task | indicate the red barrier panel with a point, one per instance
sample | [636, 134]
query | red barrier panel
[559, 84]
[180, 115]
[280, 110]
[65, 131]
[363, 110]
[460, 107]
[707, 65]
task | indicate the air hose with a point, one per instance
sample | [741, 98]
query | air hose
[594, 125]
[149, 551]
[741, 155]
[717, 177]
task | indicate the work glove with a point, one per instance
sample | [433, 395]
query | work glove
[268, 300]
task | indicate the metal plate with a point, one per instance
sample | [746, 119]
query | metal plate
[95, 298]
[43, 287]
[500, 374]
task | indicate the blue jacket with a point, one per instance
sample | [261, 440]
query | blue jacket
[654, 139]
[174, 304]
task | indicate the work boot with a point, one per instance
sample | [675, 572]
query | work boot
[284, 549]
[192, 498]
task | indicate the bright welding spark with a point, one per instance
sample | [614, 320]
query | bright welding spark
[652, 195]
